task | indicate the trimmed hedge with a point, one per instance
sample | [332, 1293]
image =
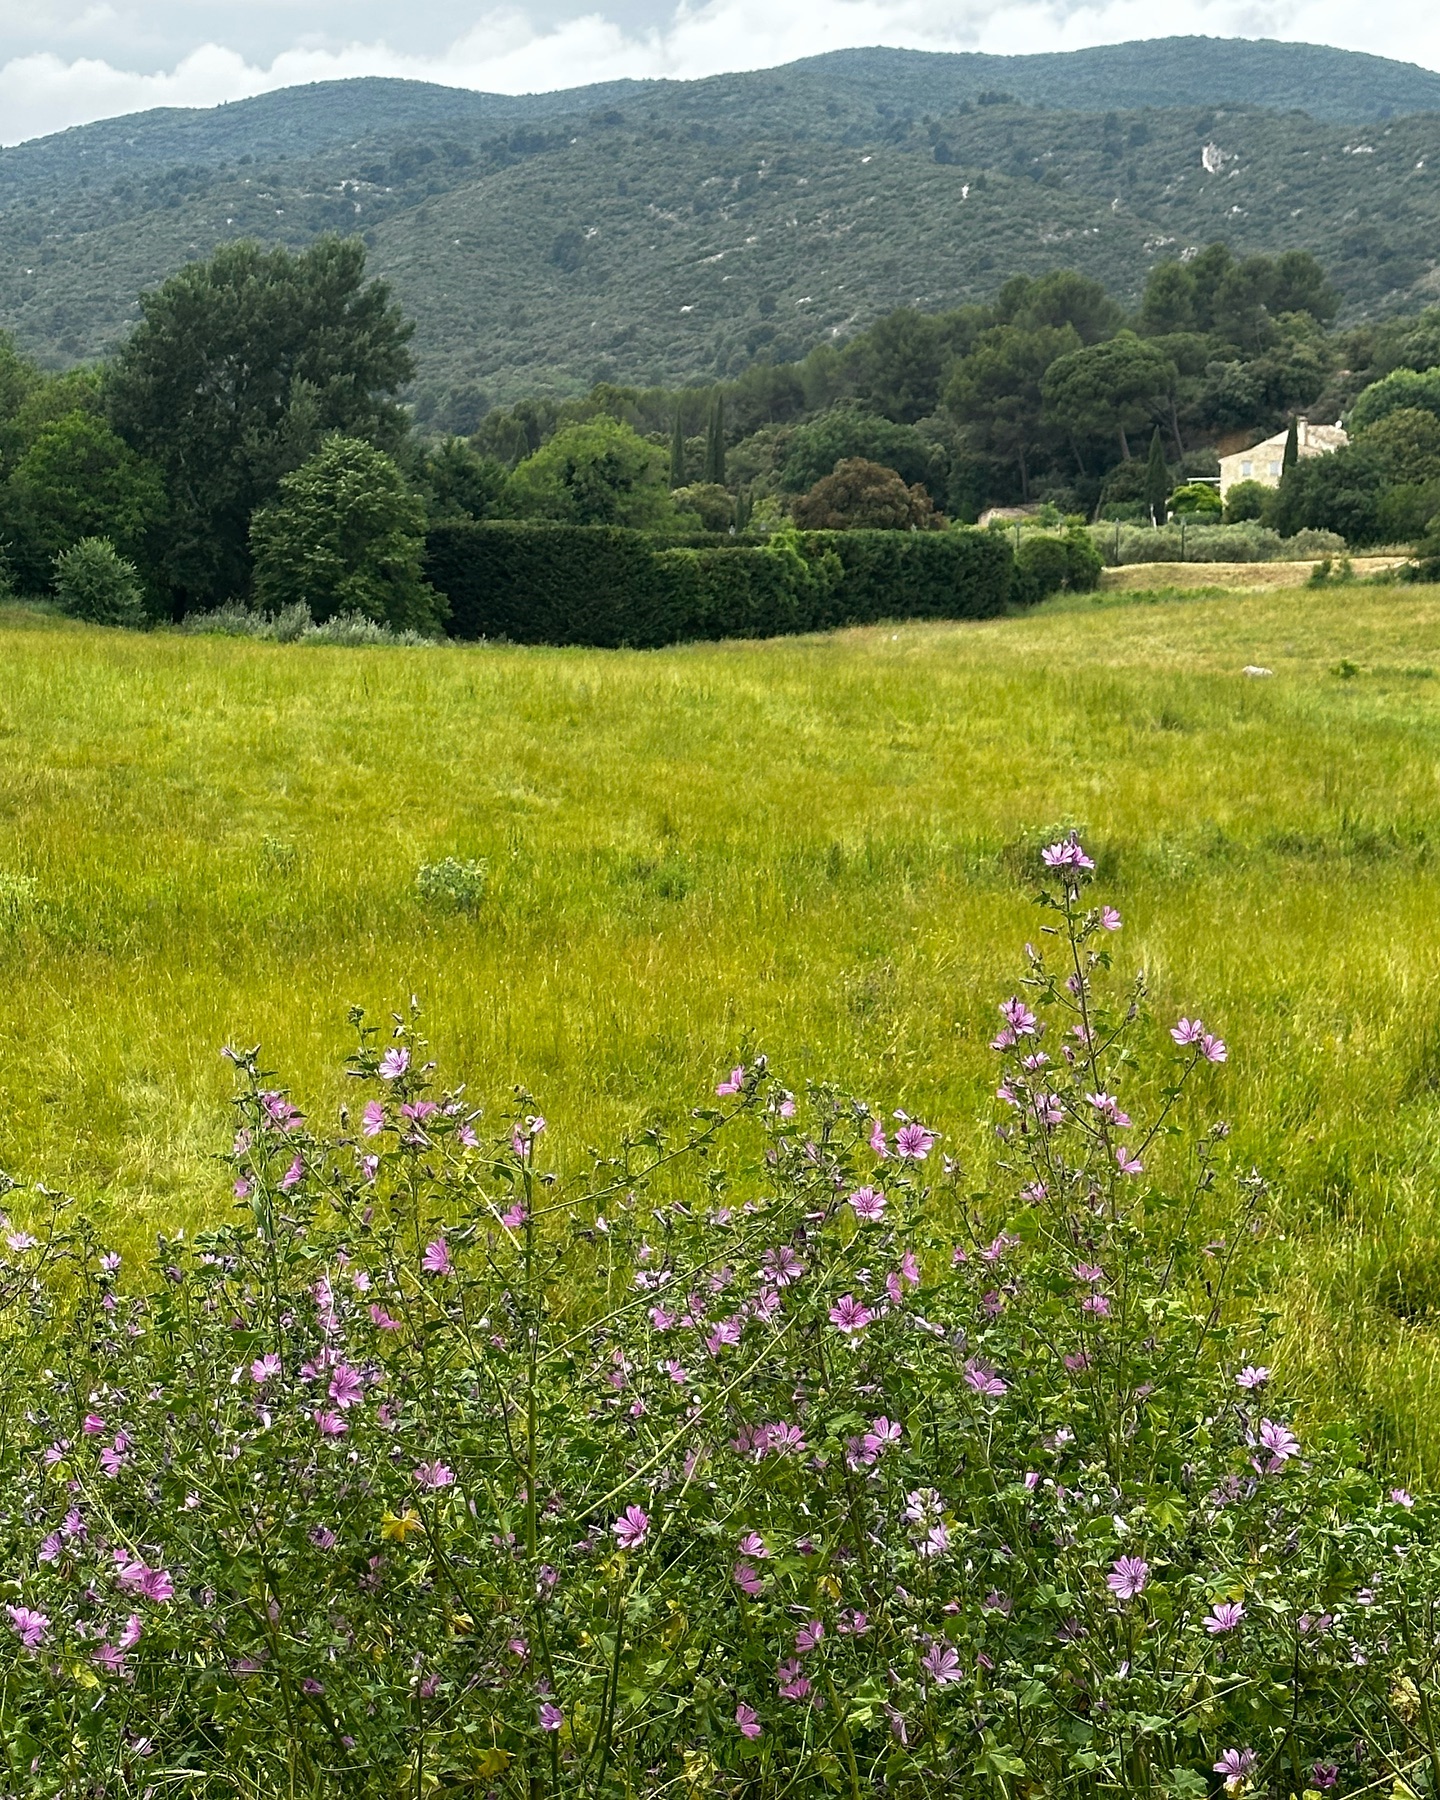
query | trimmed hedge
[606, 586]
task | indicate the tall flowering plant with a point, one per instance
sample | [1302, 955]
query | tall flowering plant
[774, 1455]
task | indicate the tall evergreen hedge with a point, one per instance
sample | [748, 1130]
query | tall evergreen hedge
[602, 585]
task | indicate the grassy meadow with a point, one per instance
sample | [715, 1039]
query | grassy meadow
[817, 846]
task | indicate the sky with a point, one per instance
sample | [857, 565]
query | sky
[66, 62]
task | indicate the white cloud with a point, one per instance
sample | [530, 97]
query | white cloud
[510, 51]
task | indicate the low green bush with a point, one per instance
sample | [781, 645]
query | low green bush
[451, 885]
[95, 583]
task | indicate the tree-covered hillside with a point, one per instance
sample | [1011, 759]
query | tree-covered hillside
[674, 232]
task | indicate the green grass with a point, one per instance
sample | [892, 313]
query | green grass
[815, 846]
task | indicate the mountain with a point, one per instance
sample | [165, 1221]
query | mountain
[672, 231]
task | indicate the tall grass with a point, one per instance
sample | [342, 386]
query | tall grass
[815, 846]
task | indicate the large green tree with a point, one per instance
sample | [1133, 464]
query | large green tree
[994, 393]
[601, 472]
[1109, 390]
[237, 370]
[78, 479]
[346, 535]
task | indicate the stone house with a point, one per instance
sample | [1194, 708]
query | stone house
[1262, 462]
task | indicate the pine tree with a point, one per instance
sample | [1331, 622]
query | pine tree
[677, 452]
[715, 442]
[1157, 480]
[1292, 449]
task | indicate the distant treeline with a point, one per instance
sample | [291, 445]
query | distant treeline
[248, 440]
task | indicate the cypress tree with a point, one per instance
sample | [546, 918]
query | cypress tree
[1292, 449]
[715, 442]
[677, 453]
[1157, 480]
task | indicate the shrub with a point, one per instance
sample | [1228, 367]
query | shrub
[1213, 543]
[1247, 501]
[452, 885]
[1198, 500]
[293, 625]
[1042, 565]
[1045, 565]
[345, 537]
[95, 583]
[774, 1455]
[604, 586]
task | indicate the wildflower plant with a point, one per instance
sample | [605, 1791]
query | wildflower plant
[773, 1456]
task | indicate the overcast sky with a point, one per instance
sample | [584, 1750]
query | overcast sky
[63, 62]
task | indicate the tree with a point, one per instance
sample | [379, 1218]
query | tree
[346, 536]
[1157, 480]
[1292, 448]
[1108, 389]
[677, 452]
[598, 473]
[1063, 297]
[712, 504]
[994, 392]
[864, 496]
[238, 369]
[1407, 441]
[79, 480]
[714, 474]
[897, 367]
[1341, 491]
[461, 483]
[849, 430]
[1402, 388]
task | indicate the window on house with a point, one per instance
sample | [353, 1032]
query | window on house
[1274, 468]
[1247, 468]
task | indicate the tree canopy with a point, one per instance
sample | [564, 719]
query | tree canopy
[239, 367]
[346, 535]
[598, 473]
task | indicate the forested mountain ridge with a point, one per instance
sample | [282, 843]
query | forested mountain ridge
[672, 232]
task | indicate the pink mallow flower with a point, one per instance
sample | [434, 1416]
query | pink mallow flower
[551, 1717]
[1127, 1577]
[394, 1063]
[913, 1143]
[150, 1584]
[849, 1315]
[347, 1387]
[748, 1579]
[436, 1260]
[31, 1628]
[941, 1664]
[732, 1083]
[1224, 1617]
[748, 1720]
[1280, 1442]
[868, 1204]
[435, 1475]
[1067, 854]
[631, 1528]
